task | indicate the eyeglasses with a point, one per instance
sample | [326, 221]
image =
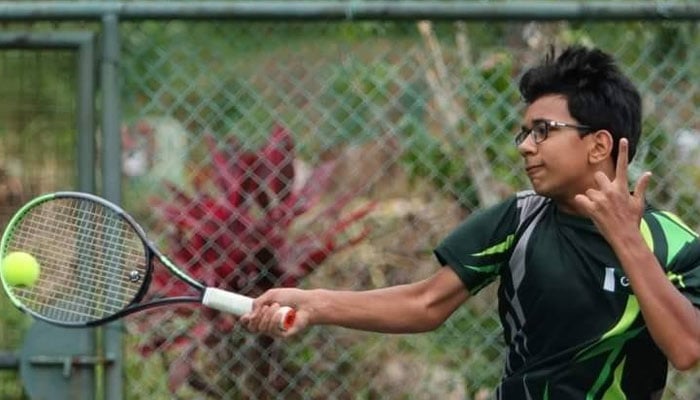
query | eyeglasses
[541, 127]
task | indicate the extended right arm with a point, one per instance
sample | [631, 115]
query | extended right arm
[477, 249]
[410, 308]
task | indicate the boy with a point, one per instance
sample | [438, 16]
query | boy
[598, 290]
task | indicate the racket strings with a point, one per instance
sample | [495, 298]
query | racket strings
[87, 254]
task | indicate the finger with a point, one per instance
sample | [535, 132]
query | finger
[602, 180]
[622, 162]
[247, 320]
[294, 329]
[300, 323]
[273, 323]
[286, 316]
[642, 184]
[261, 320]
[266, 321]
[264, 299]
[584, 203]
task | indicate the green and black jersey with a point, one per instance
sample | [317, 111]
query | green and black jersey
[572, 325]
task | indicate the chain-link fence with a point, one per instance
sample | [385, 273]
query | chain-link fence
[337, 154]
[37, 154]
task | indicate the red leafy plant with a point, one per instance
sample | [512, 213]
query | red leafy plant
[237, 231]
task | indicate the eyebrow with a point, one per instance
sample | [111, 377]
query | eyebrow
[534, 122]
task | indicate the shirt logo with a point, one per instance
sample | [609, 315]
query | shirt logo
[610, 281]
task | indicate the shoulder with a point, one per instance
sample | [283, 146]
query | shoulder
[668, 223]
[524, 201]
[668, 236]
[507, 217]
[528, 203]
[508, 208]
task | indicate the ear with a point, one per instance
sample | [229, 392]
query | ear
[601, 146]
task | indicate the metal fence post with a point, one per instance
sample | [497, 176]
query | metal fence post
[109, 338]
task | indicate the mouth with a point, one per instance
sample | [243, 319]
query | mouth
[532, 169]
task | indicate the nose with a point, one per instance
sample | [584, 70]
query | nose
[528, 146]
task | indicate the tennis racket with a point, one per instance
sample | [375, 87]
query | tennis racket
[96, 264]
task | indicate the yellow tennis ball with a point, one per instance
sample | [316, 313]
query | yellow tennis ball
[20, 269]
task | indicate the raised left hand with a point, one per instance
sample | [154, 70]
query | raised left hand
[611, 206]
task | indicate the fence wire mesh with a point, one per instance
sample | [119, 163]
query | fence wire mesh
[37, 154]
[337, 155]
[400, 130]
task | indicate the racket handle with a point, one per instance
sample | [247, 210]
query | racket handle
[229, 302]
[237, 304]
[287, 317]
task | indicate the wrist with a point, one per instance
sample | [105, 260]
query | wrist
[633, 250]
[316, 306]
[627, 240]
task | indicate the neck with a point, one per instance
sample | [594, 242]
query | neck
[566, 202]
[569, 207]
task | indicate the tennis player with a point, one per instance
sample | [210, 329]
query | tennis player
[598, 289]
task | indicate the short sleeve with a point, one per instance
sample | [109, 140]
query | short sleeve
[479, 247]
[678, 250]
[684, 271]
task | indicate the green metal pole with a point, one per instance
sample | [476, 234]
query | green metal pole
[109, 338]
[355, 10]
[86, 114]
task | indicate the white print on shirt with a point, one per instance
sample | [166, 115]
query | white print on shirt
[609, 282]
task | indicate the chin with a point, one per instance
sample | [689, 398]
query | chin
[539, 188]
[545, 191]
[544, 194]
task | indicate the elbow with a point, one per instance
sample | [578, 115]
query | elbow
[687, 357]
[437, 298]
[684, 363]
[434, 321]
[428, 316]
[435, 316]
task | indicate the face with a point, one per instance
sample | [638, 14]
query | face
[558, 166]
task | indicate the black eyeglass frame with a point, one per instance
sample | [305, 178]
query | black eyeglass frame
[546, 125]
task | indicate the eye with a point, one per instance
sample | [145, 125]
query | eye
[521, 135]
[540, 131]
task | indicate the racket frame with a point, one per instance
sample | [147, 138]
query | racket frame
[151, 253]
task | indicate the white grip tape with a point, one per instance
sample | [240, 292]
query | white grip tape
[227, 301]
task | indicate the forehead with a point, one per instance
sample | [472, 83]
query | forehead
[553, 107]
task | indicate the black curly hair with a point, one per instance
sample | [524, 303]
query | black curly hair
[598, 93]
